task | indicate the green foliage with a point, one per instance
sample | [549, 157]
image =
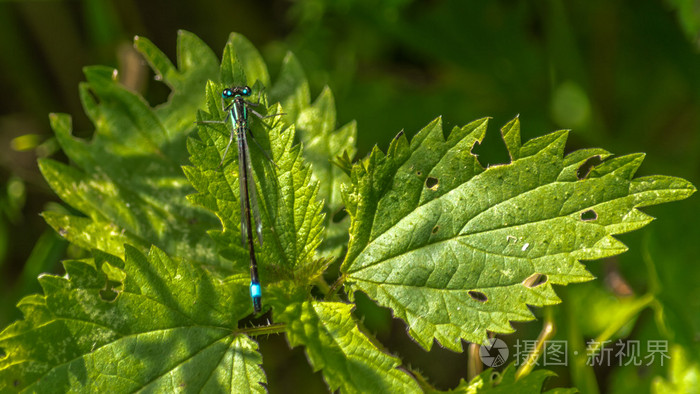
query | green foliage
[334, 343]
[490, 381]
[167, 323]
[684, 376]
[454, 249]
[127, 179]
[688, 18]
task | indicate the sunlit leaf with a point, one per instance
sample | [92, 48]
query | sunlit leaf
[450, 246]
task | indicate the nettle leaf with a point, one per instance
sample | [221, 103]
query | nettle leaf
[315, 125]
[322, 144]
[456, 250]
[291, 89]
[242, 63]
[145, 323]
[335, 345]
[128, 179]
[490, 381]
[287, 195]
[169, 324]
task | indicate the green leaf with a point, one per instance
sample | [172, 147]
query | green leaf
[598, 310]
[449, 246]
[490, 381]
[688, 18]
[322, 144]
[683, 377]
[128, 177]
[335, 345]
[286, 193]
[196, 63]
[87, 234]
[291, 88]
[242, 63]
[169, 324]
[672, 279]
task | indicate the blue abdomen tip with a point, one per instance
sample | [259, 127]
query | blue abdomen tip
[255, 290]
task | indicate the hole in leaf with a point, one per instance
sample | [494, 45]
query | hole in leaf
[109, 293]
[339, 215]
[419, 173]
[495, 377]
[535, 280]
[431, 183]
[435, 229]
[62, 232]
[478, 296]
[585, 168]
[589, 215]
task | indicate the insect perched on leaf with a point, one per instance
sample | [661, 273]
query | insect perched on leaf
[237, 107]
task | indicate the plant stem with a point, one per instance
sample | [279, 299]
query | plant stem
[276, 328]
[546, 333]
[334, 288]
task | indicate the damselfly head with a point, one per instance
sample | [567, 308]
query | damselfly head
[236, 91]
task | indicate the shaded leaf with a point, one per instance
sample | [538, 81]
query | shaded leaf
[291, 89]
[683, 377]
[490, 381]
[242, 63]
[673, 276]
[322, 144]
[128, 176]
[167, 326]
[347, 358]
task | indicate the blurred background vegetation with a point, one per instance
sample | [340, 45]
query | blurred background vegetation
[624, 76]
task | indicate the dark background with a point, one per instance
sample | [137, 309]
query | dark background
[624, 76]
